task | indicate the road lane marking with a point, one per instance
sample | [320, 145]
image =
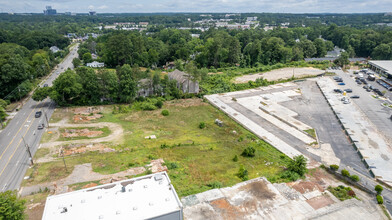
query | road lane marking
[1, 156]
[17, 146]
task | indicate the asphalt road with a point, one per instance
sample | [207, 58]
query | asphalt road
[22, 131]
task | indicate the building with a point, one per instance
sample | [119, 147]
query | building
[95, 64]
[91, 13]
[184, 82]
[145, 88]
[383, 67]
[335, 52]
[251, 19]
[331, 59]
[54, 49]
[147, 197]
[50, 11]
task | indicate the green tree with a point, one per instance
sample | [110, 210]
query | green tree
[87, 58]
[127, 86]
[41, 93]
[321, 49]
[76, 62]
[109, 85]
[118, 50]
[298, 165]
[11, 207]
[66, 88]
[91, 92]
[342, 60]
[3, 105]
[308, 48]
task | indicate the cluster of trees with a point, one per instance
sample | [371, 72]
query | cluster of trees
[86, 86]
[20, 66]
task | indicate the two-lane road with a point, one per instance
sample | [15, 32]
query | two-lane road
[22, 131]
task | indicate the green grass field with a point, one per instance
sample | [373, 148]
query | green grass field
[196, 157]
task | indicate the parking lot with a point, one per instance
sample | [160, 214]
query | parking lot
[285, 111]
[372, 107]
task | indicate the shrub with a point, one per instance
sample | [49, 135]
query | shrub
[215, 184]
[235, 158]
[148, 106]
[240, 139]
[298, 165]
[351, 193]
[345, 173]
[378, 189]
[290, 176]
[243, 173]
[165, 112]
[249, 152]
[164, 146]
[334, 167]
[380, 200]
[171, 165]
[202, 125]
[354, 178]
[11, 206]
[159, 104]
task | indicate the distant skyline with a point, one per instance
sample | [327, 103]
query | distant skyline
[241, 6]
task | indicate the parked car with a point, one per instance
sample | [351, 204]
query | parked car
[45, 85]
[339, 80]
[355, 97]
[348, 90]
[341, 84]
[338, 90]
[41, 126]
[38, 114]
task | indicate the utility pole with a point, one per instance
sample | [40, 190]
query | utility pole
[46, 117]
[62, 155]
[28, 151]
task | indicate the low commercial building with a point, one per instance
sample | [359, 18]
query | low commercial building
[95, 64]
[184, 82]
[383, 67]
[147, 197]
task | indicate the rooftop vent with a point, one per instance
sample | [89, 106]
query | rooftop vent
[99, 197]
[151, 203]
[123, 189]
[134, 208]
[100, 217]
[64, 210]
[158, 177]
[118, 212]
[145, 186]
[83, 201]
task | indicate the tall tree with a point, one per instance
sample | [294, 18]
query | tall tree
[127, 86]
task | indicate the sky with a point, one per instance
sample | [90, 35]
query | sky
[242, 6]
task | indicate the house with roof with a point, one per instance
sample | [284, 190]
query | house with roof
[95, 64]
[54, 49]
[184, 81]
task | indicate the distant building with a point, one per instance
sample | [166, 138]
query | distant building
[251, 19]
[335, 52]
[146, 197]
[92, 13]
[50, 11]
[195, 35]
[95, 64]
[331, 59]
[184, 82]
[143, 24]
[54, 49]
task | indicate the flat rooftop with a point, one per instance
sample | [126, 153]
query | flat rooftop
[138, 198]
[386, 65]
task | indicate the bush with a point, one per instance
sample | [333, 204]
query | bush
[290, 176]
[171, 165]
[202, 125]
[215, 184]
[243, 173]
[165, 112]
[164, 146]
[249, 152]
[159, 104]
[334, 167]
[148, 106]
[380, 200]
[345, 173]
[354, 178]
[298, 165]
[11, 206]
[235, 158]
[378, 189]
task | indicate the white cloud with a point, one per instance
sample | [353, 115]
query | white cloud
[103, 7]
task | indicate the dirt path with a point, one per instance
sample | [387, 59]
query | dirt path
[81, 173]
[115, 136]
[278, 74]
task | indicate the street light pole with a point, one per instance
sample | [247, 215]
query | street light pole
[28, 151]
[46, 117]
[62, 154]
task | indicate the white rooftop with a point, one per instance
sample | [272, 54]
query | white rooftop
[138, 198]
[386, 65]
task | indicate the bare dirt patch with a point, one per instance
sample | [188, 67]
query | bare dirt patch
[86, 114]
[89, 185]
[35, 211]
[186, 102]
[157, 166]
[280, 74]
[259, 189]
[320, 201]
[80, 133]
[306, 186]
[80, 148]
[227, 211]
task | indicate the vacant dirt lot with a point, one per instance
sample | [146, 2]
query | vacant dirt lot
[280, 74]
